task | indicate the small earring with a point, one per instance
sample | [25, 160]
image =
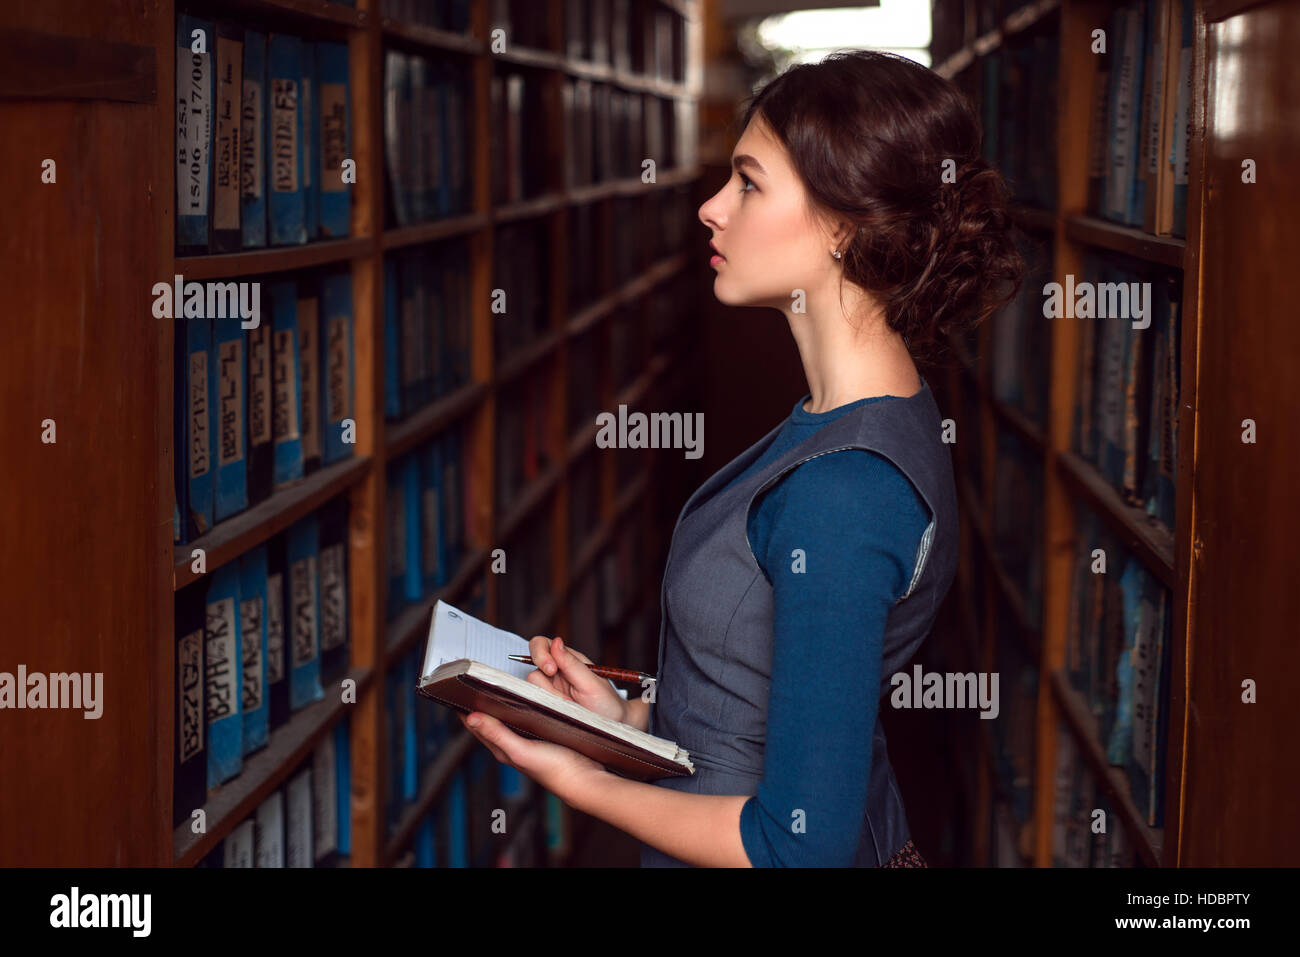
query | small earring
[836, 254]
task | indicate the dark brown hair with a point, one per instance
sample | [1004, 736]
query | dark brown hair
[868, 133]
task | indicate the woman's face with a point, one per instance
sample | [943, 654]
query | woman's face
[761, 226]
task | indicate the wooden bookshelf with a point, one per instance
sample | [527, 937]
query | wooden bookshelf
[1068, 480]
[124, 502]
[1227, 781]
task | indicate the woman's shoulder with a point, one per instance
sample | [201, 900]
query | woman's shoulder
[853, 481]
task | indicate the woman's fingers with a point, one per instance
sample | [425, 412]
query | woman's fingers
[539, 650]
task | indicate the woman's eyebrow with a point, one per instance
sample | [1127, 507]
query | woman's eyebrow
[744, 159]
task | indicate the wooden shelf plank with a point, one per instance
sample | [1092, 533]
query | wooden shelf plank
[1163, 250]
[259, 262]
[438, 229]
[1079, 719]
[431, 38]
[1033, 219]
[230, 803]
[524, 357]
[250, 528]
[420, 425]
[1147, 538]
[320, 12]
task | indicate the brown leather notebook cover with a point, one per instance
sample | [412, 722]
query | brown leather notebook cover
[467, 692]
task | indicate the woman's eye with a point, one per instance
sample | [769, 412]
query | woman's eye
[746, 180]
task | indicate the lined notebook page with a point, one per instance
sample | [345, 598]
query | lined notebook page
[454, 634]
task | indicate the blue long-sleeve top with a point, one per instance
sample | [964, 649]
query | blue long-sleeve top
[857, 521]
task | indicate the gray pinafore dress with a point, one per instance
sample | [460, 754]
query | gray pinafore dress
[715, 641]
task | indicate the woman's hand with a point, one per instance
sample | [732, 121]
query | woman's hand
[564, 671]
[560, 770]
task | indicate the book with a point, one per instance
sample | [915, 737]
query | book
[223, 685]
[226, 236]
[286, 407]
[252, 629]
[277, 681]
[268, 831]
[302, 557]
[231, 375]
[310, 110]
[261, 437]
[309, 366]
[190, 762]
[466, 667]
[194, 104]
[334, 589]
[287, 203]
[252, 143]
[335, 131]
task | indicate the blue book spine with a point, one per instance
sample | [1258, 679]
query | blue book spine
[335, 139]
[252, 627]
[410, 736]
[201, 403]
[1135, 208]
[222, 676]
[511, 782]
[310, 141]
[431, 515]
[286, 385]
[412, 581]
[336, 366]
[1119, 71]
[180, 432]
[392, 324]
[287, 205]
[252, 143]
[1178, 149]
[195, 89]
[428, 715]
[452, 501]
[232, 418]
[425, 855]
[396, 743]
[396, 508]
[303, 555]
[1120, 746]
[457, 822]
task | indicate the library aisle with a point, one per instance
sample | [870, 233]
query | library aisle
[318, 313]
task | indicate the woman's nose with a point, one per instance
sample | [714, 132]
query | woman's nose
[711, 214]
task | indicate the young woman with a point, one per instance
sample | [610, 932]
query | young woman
[809, 570]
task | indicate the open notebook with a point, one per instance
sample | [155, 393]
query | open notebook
[467, 667]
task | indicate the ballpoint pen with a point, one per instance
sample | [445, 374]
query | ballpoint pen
[602, 671]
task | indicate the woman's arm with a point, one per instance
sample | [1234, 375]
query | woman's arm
[854, 522]
[700, 829]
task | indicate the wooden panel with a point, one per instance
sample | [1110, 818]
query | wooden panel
[1241, 777]
[51, 67]
[77, 260]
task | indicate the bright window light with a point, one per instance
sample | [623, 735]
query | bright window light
[896, 26]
